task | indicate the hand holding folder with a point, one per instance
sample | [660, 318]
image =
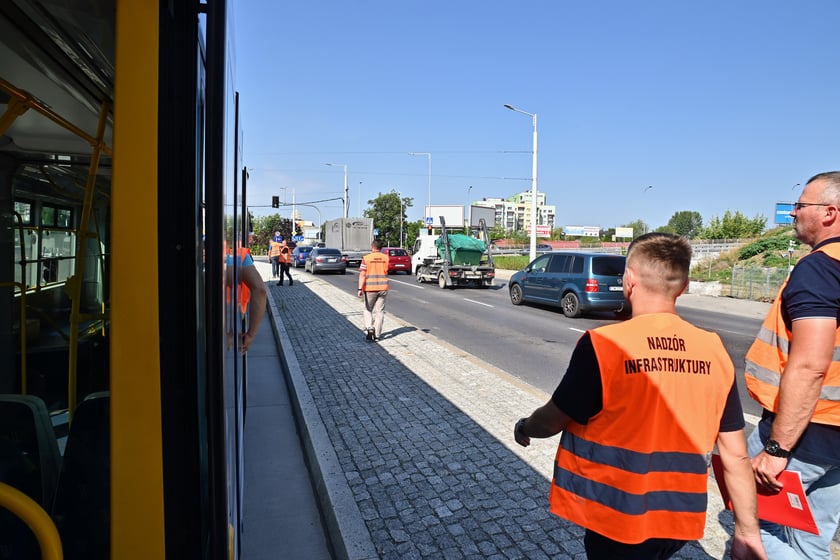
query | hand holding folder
[788, 507]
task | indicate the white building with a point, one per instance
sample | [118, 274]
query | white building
[514, 213]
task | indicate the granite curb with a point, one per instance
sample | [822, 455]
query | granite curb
[349, 538]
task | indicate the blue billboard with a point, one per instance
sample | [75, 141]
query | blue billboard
[783, 213]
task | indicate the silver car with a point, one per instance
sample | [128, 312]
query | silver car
[325, 259]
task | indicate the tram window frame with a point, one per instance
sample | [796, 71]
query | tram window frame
[55, 215]
[24, 208]
[46, 267]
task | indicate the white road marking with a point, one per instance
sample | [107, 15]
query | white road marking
[577, 330]
[479, 302]
[411, 284]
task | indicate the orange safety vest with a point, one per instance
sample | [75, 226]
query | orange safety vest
[376, 272]
[768, 356]
[274, 248]
[285, 255]
[243, 291]
[639, 468]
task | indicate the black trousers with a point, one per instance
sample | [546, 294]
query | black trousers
[284, 270]
[599, 547]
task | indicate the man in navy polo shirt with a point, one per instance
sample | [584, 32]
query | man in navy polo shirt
[793, 371]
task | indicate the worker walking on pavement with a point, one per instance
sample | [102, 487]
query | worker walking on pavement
[285, 261]
[373, 286]
[274, 254]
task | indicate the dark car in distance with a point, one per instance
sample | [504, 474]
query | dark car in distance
[299, 255]
[398, 260]
[325, 259]
[575, 282]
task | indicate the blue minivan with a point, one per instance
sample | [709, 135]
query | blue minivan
[576, 282]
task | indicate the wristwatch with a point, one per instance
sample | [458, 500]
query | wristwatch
[773, 448]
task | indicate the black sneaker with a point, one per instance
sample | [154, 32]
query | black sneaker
[369, 334]
[291, 282]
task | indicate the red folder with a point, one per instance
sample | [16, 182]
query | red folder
[789, 507]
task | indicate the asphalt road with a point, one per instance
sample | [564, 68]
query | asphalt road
[530, 342]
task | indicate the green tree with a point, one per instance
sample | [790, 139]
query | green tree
[497, 231]
[264, 228]
[388, 214]
[640, 227]
[412, 232]
[733, 226]
[686, 223]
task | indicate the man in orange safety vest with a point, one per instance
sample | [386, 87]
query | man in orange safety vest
[373, 286]
[641, 406]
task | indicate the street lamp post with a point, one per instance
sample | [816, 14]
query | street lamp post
[467, 215]
[346, 187]
[533, 252]
[429, 155]
[401, 219]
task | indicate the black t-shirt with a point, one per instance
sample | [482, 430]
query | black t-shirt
[580, 394]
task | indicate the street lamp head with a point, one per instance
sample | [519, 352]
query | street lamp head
[511, 107]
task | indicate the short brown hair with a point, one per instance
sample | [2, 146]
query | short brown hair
[662, 259]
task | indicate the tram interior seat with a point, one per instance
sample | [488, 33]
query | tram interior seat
[29, 461]
[82, 509]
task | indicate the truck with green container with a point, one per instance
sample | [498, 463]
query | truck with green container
[454, 259]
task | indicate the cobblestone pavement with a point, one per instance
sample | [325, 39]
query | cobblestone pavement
[422, 435]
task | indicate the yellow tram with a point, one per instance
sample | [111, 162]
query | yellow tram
[121, 192]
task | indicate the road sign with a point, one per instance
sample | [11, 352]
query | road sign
[298, 238]
[429, 220]
[783, 210]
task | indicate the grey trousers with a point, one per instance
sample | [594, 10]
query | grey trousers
[374, 313]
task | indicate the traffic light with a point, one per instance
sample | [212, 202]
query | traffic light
[275, 202]
[430, 230]
[298, 230]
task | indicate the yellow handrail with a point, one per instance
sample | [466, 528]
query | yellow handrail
[22, 101]
[75, 283]
[36, 518]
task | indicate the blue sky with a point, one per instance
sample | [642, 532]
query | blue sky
[718, 105]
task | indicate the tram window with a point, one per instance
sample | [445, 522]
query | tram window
[63, 218]
[24, 210]
[47, 216]
[56, 217]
